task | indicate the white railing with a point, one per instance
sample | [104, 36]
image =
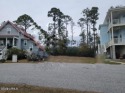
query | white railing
[117, 41]
[109, 43]
[116, 21]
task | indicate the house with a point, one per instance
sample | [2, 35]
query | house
[12, 35]
[112, 33]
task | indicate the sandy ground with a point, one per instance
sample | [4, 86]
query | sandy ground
[87, 77]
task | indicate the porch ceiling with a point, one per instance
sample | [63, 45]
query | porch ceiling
[4, 36]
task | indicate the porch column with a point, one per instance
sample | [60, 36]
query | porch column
[111, 18]
[6, 41]
[13, 41]
[113, 52]
[112, 29]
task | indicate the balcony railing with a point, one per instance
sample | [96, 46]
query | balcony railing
[116, 21]
[109, 43]
[115, 41]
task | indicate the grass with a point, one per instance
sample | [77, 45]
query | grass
[74, 59]
[22, 61]
[110, 62]
[71, 59]
[19, 61]
[16, 88]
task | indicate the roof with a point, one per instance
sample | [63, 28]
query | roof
[22, 31]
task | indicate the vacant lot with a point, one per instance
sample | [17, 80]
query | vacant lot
[72, 59]
[66, 59]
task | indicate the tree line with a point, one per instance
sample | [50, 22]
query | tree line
[57, 39]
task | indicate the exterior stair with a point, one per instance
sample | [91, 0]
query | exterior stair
[3, 51]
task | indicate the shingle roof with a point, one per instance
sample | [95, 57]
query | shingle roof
[22, 31]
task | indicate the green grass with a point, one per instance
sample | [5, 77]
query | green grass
[36, 89]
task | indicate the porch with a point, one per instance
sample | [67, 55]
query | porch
[116, 52]
[9, 42]
[115, 41]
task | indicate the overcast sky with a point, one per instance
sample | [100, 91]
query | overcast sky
[38, 9]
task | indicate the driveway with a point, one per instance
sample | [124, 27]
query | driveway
[87, 77]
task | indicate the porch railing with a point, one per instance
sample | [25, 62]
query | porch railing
[115, 41]
[116, 21]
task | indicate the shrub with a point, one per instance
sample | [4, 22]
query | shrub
[21, 54]
[86, 51]
[38, 56]
[72, 51]
[33, 57]
[123, 56]
[83, 51]
[2, 60]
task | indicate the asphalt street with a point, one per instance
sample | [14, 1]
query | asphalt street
[87, 77]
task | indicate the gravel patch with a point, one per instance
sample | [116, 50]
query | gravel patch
[87, 77]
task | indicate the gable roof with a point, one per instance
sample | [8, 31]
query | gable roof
[22, 31]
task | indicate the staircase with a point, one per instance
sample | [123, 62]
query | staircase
[3, 51]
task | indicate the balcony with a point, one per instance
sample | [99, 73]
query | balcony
[116, 22]
[115, 41]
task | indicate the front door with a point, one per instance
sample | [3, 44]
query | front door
[9, 44]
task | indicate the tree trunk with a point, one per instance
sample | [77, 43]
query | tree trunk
[94, 39]
[87, 32]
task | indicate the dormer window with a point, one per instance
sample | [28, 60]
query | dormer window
[8, 30]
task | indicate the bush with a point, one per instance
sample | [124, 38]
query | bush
[21, 54]
[72, 51]
[86, 51]
[123, 56]
[83, 51]
[2, 60]
[33, 57]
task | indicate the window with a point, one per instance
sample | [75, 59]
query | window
[1, 43]
[115, 39]
[34, 44]
[8, 30]
[15, 42]
[25, 42]
[31, 48]
[120, 38]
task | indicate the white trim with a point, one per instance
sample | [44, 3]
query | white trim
[13, 41]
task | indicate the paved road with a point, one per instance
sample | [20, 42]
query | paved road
[88, 77]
